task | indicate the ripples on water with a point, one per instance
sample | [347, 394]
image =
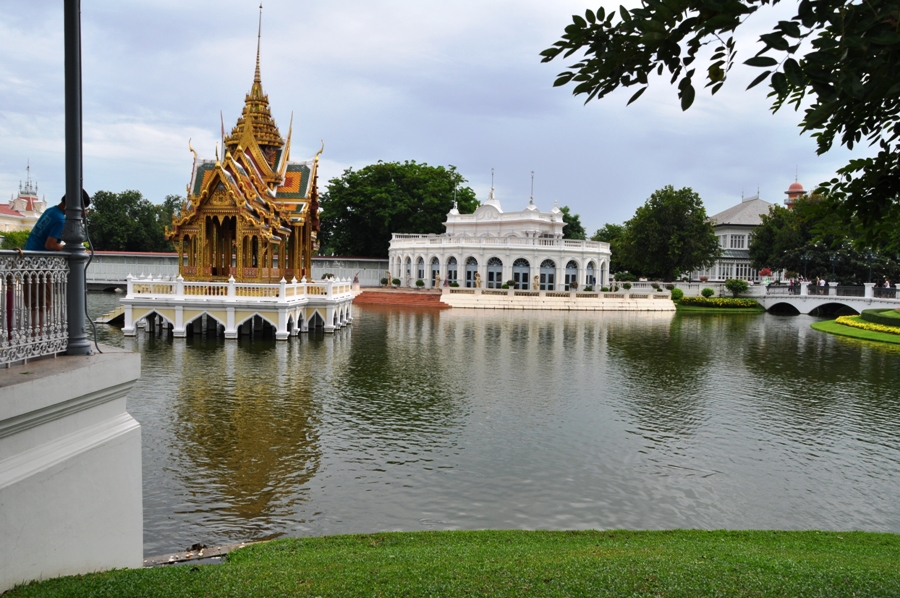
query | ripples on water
[458, 419]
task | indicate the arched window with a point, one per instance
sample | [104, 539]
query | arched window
[435, 270]
[521, 273]
[494, 273]
[451, 269]
[420, 269]
[571, 273]
[471, 270]
[590, 278]
[548, 275]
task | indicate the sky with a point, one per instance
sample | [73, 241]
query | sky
[438, 82]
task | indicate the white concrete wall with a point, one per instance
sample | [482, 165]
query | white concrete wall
[70, 468]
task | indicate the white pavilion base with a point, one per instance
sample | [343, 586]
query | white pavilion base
[556, 300]
[70, 467]
[290, 308]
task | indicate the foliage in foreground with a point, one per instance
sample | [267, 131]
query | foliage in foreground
[837, 59]
[726, 302]
[886, 316]
[521, 563]
[857, 322]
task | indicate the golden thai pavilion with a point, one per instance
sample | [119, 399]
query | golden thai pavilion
[245, 239]
[252, 215]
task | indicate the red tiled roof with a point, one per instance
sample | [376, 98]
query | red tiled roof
[9, 212]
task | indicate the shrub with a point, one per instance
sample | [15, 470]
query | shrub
[15, 239]
[511, 284]
[604, 289]
[396, 282]
[327, 275]
[883, 316]
[626, 276]
[615, 288]
[736, 286]
[704, 278]
[852, 322]
[573, 286]
[677, 294]
[670, 287]
[588, 289]
[765, 272]
[505, 285]
[384, 282]
[707, 293]
[420, 283]
[454, 284]
[655, 285]
[727, 302]
[626, 286]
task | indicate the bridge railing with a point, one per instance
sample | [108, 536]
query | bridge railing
[851, 291]
[886, 293]
[179, 289]
[33, 305]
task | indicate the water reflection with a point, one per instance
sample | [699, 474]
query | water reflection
[423, 419]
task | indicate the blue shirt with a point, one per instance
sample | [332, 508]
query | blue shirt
[50, 224]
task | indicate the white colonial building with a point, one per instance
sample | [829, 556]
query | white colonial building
[490, 247]
[733, 227]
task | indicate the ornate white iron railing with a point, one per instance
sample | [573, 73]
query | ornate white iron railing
[32, 305]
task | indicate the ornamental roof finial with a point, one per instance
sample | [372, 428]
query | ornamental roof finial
[531, 201]
[256, 77]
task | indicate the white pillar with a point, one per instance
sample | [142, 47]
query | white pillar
[128, 328]
[178, 330]
[329, 319]
[230, 329]
[281, 333]
[870, 289]
[832, 288]
[804, 289]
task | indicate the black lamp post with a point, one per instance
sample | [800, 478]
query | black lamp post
[834, 260]
[805, 258]
[870, 257]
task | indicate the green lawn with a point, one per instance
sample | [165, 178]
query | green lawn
[520, 563]
[833, 327]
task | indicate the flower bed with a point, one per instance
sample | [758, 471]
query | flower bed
[856, 322]
[726, 302]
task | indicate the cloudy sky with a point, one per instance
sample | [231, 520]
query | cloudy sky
[433, 81]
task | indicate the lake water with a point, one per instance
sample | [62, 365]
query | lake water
[463, 419]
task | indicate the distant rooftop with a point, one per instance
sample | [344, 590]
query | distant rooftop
[747, 213]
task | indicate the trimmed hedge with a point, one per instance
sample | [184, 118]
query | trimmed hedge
[719, 302]
[677, 294]
[883, 316]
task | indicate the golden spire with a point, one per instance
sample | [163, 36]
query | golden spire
[256, 77]
[256, 115]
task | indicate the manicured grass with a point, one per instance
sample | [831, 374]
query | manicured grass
[520, 563]
[833, 327]
[720, 310]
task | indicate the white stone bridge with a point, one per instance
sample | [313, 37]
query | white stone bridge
[806, 299]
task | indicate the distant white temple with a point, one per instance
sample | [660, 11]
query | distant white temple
[494, 246]
[23, 210]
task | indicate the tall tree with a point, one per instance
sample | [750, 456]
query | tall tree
[669, 235]
[573, 228]
[361, 209]
[127, 221]
[786, 240]
[612, 234]
[836, 59]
